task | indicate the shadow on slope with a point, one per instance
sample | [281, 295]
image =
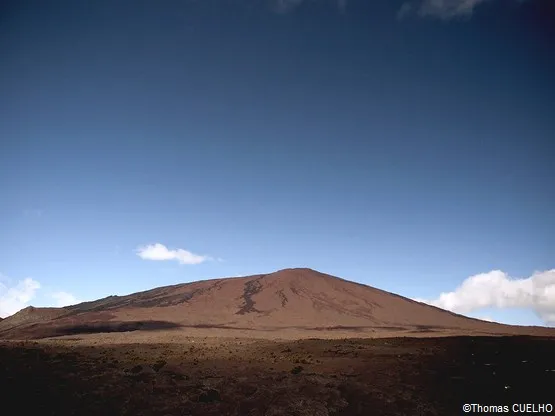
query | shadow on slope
[40, 331]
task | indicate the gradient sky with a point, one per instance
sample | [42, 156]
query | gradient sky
[407, 146]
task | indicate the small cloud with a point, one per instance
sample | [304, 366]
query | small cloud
[485, 318]
[498, 290]
[15, 298]
[160, 252]
[64, 299]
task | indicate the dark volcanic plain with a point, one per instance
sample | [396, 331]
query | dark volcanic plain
[294, 342]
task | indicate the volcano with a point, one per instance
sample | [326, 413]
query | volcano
[290, 303]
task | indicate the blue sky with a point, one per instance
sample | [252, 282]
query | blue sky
[404, 145]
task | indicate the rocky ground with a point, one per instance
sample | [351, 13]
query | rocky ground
[240, 376]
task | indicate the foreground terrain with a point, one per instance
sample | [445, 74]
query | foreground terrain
[95, 375]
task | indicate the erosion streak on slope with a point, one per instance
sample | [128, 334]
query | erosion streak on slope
[252, 287]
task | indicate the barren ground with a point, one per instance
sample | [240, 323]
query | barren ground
[118, 375]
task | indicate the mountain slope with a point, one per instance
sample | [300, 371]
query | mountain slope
[290, 302]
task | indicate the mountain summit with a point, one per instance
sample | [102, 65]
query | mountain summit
[288, 303]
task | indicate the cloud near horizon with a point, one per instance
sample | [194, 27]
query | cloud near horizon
[498, 290]
[64, 299]
[485, 318]
[159, 252]
[13, 299]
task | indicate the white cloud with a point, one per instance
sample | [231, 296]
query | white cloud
[17, 297]
[498, 290]
[64, 299]
[443, 9]
[482, 317]
[160, 252]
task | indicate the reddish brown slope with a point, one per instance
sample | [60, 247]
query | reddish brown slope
[302, 300]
